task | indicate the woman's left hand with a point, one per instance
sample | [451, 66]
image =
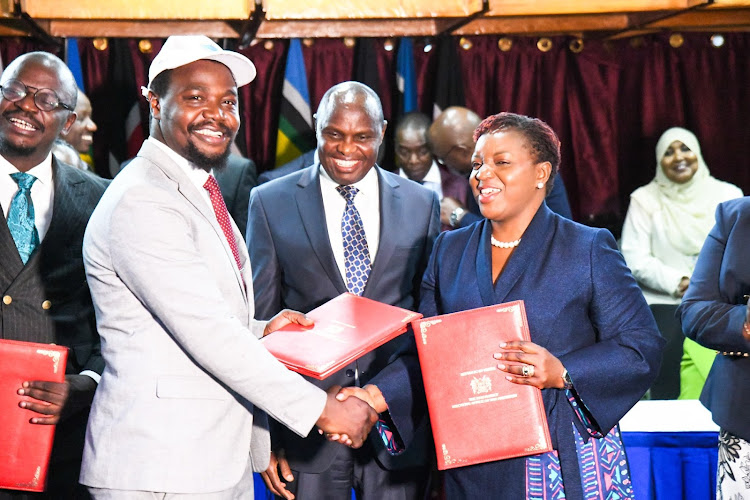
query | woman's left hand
[527, 363]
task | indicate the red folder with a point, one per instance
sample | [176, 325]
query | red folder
[25, 447]
[346, 328]
[477, 415]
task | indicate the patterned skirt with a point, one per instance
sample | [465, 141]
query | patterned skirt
[605, 473]
[733, 474]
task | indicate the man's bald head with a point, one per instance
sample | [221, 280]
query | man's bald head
[451, 138]
[67, 91]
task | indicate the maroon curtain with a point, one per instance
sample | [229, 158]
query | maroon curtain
[697, 86]
[609, 103]
[328, 61]
[12, 47]
[260, 101]
[574, 93]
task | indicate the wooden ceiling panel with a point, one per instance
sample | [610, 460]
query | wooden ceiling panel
[549, 25]
[138, 9]
[359, 9]
[567, 7]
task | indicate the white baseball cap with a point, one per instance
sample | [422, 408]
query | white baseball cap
[181, 50]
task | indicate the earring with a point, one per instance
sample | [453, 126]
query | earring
[539, 185]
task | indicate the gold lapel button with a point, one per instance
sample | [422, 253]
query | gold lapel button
[46, 304]
[7, 300]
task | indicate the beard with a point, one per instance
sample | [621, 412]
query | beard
[204, 161]
[10, 150]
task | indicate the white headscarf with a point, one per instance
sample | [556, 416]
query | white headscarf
[687, 210]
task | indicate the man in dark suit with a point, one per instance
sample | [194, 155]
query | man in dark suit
[298, 163]
[235, 181]
[46, 205]
[306, 233]
[416, 162]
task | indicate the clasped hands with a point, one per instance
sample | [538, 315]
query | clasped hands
[344, 419]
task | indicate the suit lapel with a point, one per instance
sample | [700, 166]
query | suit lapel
[390, 218]
[310, 206]
[11, 264]
[533, 244]
[190, 192]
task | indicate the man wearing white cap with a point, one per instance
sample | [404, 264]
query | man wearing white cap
[181, 407]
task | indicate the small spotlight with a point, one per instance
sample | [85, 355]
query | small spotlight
[388, 44]
[717, 40]
[427, 45]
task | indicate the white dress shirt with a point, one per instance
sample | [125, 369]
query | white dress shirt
[431, 181]
[42, 191]
[367, 203]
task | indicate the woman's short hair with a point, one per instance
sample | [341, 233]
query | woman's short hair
[540, 138]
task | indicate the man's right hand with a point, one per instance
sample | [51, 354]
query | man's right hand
[278, 467]
[352, 417]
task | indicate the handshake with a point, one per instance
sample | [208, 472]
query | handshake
[348, 420]
[345, 419]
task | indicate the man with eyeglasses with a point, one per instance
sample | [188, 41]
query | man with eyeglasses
[46, 205]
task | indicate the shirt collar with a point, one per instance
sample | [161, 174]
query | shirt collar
[43, 171]
[197, 175]
[368, 185]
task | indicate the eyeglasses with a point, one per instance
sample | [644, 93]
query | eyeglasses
[45, 99]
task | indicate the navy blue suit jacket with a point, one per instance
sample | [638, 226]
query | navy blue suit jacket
[713, 312]
[582, 305]
[294, 267]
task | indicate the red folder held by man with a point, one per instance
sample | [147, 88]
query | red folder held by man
[346, 328]
[25, 447]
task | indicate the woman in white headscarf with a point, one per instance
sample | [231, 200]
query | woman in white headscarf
[665, 227]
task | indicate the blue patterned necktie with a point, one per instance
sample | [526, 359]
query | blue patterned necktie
[21, 217]
[356, 251]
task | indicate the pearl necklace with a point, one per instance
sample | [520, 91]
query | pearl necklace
[504, 244]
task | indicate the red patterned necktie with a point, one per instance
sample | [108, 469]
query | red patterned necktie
[222, 215]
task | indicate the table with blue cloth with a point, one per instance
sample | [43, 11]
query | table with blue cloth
[672, 448]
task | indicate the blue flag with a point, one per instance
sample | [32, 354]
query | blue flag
[405, 77]
[73, 60]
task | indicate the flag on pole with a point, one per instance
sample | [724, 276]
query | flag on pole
[405, 76]
[296, 135]
[73, 60]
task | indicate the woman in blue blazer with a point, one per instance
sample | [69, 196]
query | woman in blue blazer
[595, 347]
[714, 313]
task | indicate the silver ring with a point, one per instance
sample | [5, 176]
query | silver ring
[527, 370]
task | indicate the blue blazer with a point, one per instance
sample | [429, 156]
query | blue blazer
[294, 267]
[583, 306]
[713, 311]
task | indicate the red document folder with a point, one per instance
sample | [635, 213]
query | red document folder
[25, 447]
[476, 414]
[346, 328]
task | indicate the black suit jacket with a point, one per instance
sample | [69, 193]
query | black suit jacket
[49, 297]
[294, 267]
[235, 182]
